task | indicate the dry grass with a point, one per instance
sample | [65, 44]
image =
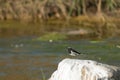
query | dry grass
[37, 10]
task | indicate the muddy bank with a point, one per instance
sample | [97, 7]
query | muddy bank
[73, 29]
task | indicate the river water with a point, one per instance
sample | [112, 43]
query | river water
[26, 59]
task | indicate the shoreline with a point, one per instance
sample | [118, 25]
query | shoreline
[82, 26]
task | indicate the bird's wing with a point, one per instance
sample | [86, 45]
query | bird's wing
[76, 51]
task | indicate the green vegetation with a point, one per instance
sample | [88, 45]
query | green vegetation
[52, 37]
[43, 75]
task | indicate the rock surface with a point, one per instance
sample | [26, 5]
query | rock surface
[74, 69]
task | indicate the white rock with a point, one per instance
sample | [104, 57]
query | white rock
[74, 69]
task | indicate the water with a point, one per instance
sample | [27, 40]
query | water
[25, 59]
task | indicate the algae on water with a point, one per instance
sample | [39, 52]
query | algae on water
[54, 36]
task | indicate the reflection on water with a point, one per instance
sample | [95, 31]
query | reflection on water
[24, 59]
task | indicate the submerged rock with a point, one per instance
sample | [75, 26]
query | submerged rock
[74, 69]
[79, 32]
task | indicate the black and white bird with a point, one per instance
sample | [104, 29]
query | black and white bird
[73, 52]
